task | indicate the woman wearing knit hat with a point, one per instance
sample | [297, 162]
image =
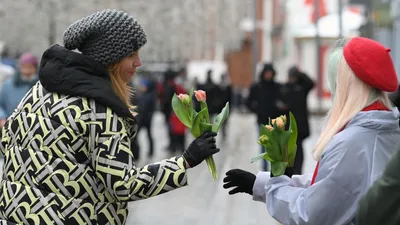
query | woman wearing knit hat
[67, 147]
[360, 136]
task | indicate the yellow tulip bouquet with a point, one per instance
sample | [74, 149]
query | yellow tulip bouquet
[280, 144]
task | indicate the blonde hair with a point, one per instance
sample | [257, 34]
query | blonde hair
[121, 88]
[351, 96]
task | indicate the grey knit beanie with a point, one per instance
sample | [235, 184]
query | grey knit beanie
[106, 36]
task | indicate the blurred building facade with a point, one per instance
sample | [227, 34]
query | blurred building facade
[177, 30]
[186, 31]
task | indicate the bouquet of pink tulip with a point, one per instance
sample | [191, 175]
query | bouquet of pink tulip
[198, 122]
[280, 144]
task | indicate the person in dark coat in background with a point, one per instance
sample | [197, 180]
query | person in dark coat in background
[166, 105]
[265, 99]
[168, 93]
[197, 86]
[295, 94]
[147, 98]
[225, 95]
[134, 141]
[212, 93]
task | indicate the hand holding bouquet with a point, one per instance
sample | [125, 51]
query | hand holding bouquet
[198, 122]
[280, 144]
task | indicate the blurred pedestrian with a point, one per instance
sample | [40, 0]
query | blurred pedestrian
[224, 96]
[265, 99]
[295, 93]
[211, 88]
[147, 97]
[15, 88]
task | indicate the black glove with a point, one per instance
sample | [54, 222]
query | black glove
[288, 172]
[243, 181]
[200, 149]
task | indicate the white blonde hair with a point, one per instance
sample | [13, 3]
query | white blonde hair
[351, 95]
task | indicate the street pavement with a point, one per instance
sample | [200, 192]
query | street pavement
[204, 201]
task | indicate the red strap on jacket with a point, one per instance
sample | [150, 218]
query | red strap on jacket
[374, 106]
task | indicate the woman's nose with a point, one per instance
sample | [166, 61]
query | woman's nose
[137, 62]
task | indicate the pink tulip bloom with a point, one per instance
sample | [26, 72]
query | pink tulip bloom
[269, 127]
[200, 95]
[184, 98]
[280, 124]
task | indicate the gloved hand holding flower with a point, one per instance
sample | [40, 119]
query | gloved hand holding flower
[198, 122]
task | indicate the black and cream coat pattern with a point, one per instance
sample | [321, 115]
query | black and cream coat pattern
[67, 150]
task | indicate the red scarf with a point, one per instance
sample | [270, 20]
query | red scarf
[374, 106]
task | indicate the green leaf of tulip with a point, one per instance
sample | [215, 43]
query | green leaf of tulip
[273, 152]
[194, 113]
[292, 147]
[220, 119]
[262, 156]
[198, 120]
[268, 157]
[278, 168]
[283, 144]
[205, 127]
[182, 111]
[203, 106]
[273, 141]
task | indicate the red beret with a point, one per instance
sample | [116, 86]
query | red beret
[371, 62]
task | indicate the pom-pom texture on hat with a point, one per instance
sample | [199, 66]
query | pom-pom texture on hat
[371, 62]
[106, 36]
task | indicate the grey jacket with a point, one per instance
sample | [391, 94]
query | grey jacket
[352, 161]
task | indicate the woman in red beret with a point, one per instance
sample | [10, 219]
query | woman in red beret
[360, 136]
